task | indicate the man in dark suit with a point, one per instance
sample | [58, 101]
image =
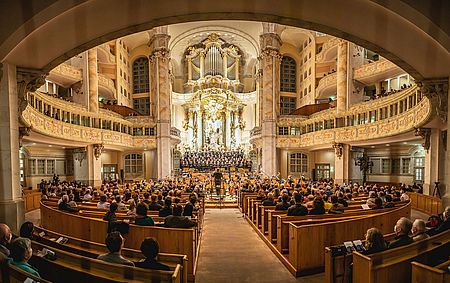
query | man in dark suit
[402, 229]
[298, 209]
[217, 180]
[178, 221]
[269, 201]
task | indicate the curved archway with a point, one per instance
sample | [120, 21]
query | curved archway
[51, 34]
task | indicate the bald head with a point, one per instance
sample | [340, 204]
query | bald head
[5, 234]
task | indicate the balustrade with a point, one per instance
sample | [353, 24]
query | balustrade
[385, 116]
[56, 117]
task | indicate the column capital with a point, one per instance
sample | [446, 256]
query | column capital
[436, 90]
[28, 80]
[270, 42]
[424, 133]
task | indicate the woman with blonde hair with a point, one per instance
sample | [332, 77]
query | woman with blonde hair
[374, 241]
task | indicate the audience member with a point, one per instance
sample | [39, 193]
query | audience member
[445, 225]
[284, 204]
[5, 239]
[150, 250]
[401, 230]
[418, 230]
[336, 207]
[20, 253]
[374, 241]
[141, 218]
[318, 206]
[167, 209]
[26, 230]
[298, 209]
[269, 201]
[114, 242]
[64, 205]
[103, 203]
[178, 221]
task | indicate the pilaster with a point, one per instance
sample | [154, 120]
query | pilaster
[160, 92]
[270, 60]
[342, 76]
[93, 80]
[341, 163]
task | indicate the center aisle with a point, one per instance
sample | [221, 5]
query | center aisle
[232, 252]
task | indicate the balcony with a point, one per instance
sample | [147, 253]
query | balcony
[376, 71]
[411, 111]
[175, 132]
[327, 86]
[256, 131]
[328, 52]
[106, 87]
[65, 75]
[69, 121]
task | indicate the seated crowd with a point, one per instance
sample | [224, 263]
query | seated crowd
[406, 232]
[17, 251]
[136, 200]
[308, 197]
[203, 160]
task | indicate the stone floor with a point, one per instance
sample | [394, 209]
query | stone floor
[232, 252]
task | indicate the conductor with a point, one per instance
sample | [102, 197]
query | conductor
[217, 180]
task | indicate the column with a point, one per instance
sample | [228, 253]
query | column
[270, 91]
[11, 203]
[161, 92]
[228, 130]
[87, 167]
[342, 88]
[341, 160]
[93, 80]
[14, 85]
[433, 161]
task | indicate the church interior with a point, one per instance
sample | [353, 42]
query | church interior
[246, 141]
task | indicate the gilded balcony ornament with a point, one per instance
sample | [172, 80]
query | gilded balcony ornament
[436, 90]
[425, 134]
[98, 149]
[338, 149]
[28, 80]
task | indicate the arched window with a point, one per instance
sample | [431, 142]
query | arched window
[288, 75]
[140, 75]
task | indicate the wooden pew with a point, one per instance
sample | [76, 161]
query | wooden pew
[31, 199]
[338, 269]
[394, 265]
[282, 223]
[92, 249]
[243, 201]
[70, 267]
[12, 274]
[171, 240]
[307, 242]
[426, 204]
[422, 273]
[265, 218]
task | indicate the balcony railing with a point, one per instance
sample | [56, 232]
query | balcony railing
[62, 119]
[325, 48]
[255, 132]
[394, 114]
[365, 72]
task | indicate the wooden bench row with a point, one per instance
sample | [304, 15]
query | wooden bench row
[300, 241]
[171, 240]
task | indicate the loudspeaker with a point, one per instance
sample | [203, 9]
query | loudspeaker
[313, 174]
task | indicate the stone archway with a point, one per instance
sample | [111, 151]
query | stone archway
[60, 29]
